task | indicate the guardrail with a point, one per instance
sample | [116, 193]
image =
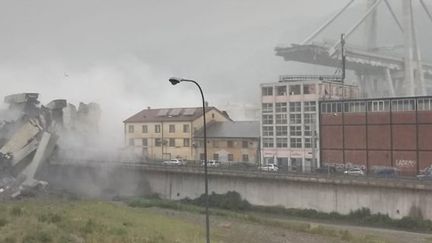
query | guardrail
[335, 78]
[247, 171]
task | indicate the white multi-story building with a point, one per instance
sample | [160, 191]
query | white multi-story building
[289, 114]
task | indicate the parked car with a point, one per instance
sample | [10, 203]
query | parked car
[354, 171]
[387, 172]
[211, 163]
[325, 169]
[424, 177]
[269, 167]
[174, 162]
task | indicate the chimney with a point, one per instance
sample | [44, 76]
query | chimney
[206, 104]
[148, 107]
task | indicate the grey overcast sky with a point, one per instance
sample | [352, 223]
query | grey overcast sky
[120, 53]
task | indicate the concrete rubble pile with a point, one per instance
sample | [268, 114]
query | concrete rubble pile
[29, 135]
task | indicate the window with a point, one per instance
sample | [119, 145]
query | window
[131, 128]
[186, 142]
[308, 143]
[200, 144]
[339, 90]
[281, 107]
[294, 89]
[171, 128]
[267, 108]
[281, 131]
[157, 129]
[403, 105]
[378, 106]
[268, 143]
[172, 142]
[267, 131]
[215, 144]
[281, 90]
[245, 144]
[267, 119]
[216, 156]
[309, 106]
[245, 157]
[202, 156]
[355, 106]
[309, 89]
[324, 108]
[186, 128]
[295, 118]
[424, 104]
[267, 91]
[309, 119]
[144, 142]
[230, 157]
[144, 129]
[281, 142]
[295, 106]
[131, 142]
[230, 144]
[295, 142]
[158, 142]
[333, 107]
[308, 130]
[295, 131]
[281, 119]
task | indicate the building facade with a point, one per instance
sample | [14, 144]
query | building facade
[289, 128]
[160, 134]
[376, 133]
[231, 141]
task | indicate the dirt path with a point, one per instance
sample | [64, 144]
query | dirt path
[230, 229]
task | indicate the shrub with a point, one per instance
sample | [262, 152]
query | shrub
[16, 211]
[3, 222]
[321, 230]
[346, 235]
[230, 200]
[414, 224]
[36, 237]
[89, 227]
[360, 213]
[9, 240]
[50, 218]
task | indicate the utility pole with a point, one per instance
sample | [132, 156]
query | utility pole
[409, 52]
[343, 56]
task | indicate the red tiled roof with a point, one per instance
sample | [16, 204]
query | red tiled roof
[170, 114]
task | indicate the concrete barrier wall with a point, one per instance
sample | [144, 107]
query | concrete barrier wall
[325, 197]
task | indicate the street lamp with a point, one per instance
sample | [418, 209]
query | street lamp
[175, 81]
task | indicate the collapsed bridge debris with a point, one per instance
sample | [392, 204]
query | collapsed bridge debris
[29, 134]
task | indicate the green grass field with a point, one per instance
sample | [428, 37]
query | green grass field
[90, 221]
[159, 221]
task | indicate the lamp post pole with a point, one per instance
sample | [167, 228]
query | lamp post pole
[175, 81]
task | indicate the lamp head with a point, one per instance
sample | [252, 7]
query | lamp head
[175, 80]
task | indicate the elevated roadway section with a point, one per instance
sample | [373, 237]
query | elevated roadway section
[395, 197]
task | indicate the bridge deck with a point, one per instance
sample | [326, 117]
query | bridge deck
[357, 60]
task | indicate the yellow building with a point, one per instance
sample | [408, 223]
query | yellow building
[231, 141]
[159, 134]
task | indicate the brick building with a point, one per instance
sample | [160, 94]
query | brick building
[373, 133]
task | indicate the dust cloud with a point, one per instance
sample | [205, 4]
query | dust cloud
[121, 89]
